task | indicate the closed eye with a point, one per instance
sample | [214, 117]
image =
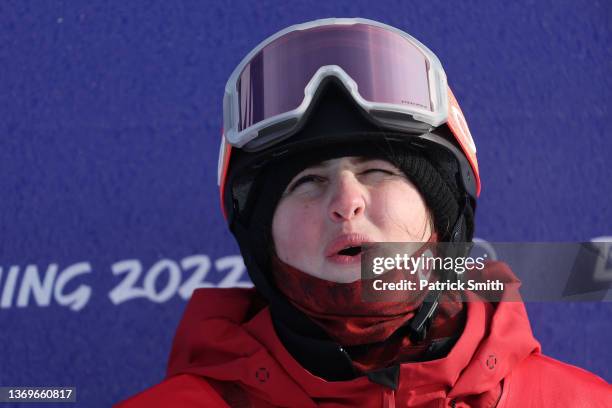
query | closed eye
[378, 170]
[309, 178]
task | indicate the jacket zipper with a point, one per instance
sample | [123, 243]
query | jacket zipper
[389, 398]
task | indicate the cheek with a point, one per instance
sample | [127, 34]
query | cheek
[295, 231]
[402, 213]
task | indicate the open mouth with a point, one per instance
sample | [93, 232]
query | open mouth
[347, 249]
[350, 251]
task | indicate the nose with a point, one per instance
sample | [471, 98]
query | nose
[348, 199]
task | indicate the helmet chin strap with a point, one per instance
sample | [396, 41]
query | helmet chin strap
[421, 322]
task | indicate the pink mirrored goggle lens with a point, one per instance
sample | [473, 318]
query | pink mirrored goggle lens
[386, 67]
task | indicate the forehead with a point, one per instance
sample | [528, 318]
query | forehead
[348, 160]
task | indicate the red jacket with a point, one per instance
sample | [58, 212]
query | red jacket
[226, 354]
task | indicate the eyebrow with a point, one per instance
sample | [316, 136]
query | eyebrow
[354, 160]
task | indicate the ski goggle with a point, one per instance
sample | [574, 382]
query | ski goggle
[391, 75]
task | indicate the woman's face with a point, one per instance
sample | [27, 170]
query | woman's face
[342, 203]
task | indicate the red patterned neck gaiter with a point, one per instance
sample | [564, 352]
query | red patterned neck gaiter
[340, 310]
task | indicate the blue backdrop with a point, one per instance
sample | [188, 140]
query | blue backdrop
[110, 117]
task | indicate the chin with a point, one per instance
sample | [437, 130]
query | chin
[348, 274]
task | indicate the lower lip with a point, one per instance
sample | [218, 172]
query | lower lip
[345, 259]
